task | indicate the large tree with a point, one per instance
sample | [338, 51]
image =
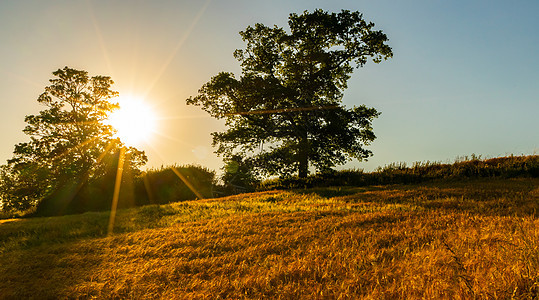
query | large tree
[284, 112]
[70, 143]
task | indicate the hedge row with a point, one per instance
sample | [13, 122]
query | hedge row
[400, 173]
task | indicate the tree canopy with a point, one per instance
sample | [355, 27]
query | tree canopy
[285, 112]
[70, 144]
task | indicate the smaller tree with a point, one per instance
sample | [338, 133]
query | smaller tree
[238, 175]
[69, 142]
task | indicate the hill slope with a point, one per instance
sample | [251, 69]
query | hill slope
[437, 240]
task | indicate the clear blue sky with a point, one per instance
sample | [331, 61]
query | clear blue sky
[464, 78]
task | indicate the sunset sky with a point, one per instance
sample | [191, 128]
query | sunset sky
[464, 77]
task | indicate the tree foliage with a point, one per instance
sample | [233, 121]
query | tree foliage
[70, 145]
[284, 112]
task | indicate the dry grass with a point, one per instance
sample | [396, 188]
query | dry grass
[460, 240]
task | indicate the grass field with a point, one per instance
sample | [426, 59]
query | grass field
[447, 239]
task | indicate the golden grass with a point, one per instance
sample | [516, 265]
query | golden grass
[452, 240]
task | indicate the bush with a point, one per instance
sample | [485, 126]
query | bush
[174, 183]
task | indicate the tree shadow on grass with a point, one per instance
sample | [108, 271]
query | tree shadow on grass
[330, 192]
[42, 258]
[45, 272]
[486, 197]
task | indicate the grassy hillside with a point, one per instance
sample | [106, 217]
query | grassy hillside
[460, 239]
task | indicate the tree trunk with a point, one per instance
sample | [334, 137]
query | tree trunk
[303, 156]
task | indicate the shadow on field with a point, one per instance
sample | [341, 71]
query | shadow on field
[330, 192]
[46, 271]
[42, 258]
[488, 197]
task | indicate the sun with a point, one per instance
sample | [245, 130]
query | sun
[135, 121]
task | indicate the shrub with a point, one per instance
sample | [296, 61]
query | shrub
[174, 183]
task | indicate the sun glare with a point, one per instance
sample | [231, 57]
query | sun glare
[134, 121]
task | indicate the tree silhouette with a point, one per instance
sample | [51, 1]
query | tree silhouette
[284, 113]
[70, 145]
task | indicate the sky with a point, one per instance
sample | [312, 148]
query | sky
[464, 78]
